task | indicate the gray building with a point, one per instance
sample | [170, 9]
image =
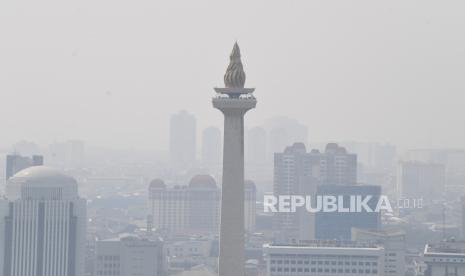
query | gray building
[129, 256]
[421, 180]
[338, 225]
[394, 245]
[445, 258]
[211, 147]
[298, 172]
[183, 142]
[16, 163]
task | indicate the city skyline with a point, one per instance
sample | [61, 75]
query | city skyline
[106, 88]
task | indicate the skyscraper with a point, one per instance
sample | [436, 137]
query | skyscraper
[211, 147]
[234, 101]
[43, 222]
[298, 172]
[183, 142]
[16, 163]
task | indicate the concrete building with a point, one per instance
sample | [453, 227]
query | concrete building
[195, 208]
[324, 258]
[420, 180]
[445, 259]
[183, 141]
[233, 101]
[256, 152]
[42, 225]
[295, 173]
[338, 225]
[185, 253]
[298, 172]
[250, 206]
[16, 163]
[129, 256]
[211, 147]
[394, 248]
[186, 209]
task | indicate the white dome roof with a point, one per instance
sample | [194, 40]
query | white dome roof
[42, 180]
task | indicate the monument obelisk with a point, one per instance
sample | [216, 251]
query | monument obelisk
[234, 101]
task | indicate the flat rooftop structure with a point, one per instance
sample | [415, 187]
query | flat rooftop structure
[328, 244]
[447, 248]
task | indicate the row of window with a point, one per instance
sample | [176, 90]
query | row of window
[326, 270]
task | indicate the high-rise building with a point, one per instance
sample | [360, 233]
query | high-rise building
[298, 172]
[445, 258]
[295, 173]
[195, 208]
[338, 225]
[233, 101]
[338, 167]
[284, 131]
[419, 180]
[43, 225]
[183, 142]
[324, 258]
[16, 163]
[129, 255]
[250, 208]
[394, 248]
[211, 147]
[256, 147]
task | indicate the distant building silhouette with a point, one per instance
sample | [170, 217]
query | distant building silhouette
[211, 147]
[420, 180]
[284, 131]
[183, 140]
[44, 225]
[256, 147]
[16, 163]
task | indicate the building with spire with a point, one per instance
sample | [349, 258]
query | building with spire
[233, 101]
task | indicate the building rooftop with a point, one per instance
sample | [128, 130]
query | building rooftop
[446, 247]
[327, 244]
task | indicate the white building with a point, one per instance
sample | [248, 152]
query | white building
[394, 248]
[42, 225]
[129, 256]
[195, 208]
[322, 258]
[445, 259]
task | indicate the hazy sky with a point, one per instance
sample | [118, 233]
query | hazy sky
[111, 72]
